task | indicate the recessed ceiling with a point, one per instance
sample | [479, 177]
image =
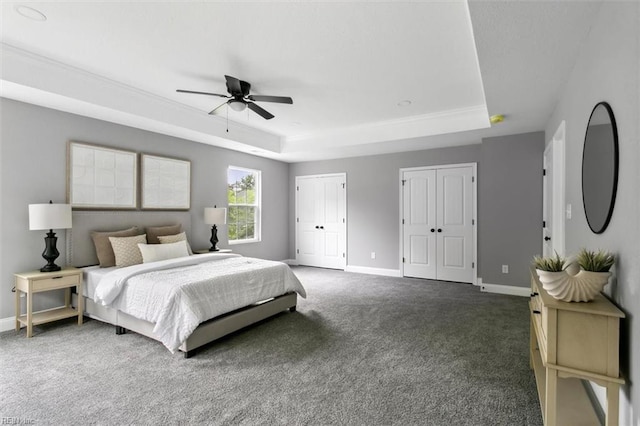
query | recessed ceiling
[365, 77]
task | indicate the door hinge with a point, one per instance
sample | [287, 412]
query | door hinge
[544, 223]
[297, 219]
[403, 221]
[403, 181]
[544, 172]
[298, 251]
[344, 220]
[473, 265]
[297, 188]
[403, 260]
[343, 185]
[473, 178]
[343, 255]
[473, 221]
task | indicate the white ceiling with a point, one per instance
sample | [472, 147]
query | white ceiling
[347, 66]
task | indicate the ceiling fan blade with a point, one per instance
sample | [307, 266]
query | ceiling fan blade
[234, 85]
[260, 111]
[201, 93]
[217, 108]
[277, 99]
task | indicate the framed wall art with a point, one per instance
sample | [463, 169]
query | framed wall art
[100, 177]
[166, 183]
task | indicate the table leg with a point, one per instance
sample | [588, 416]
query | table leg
[613, 401]
[551, 397]
[17, 309]
[80, 304]
[29, 314]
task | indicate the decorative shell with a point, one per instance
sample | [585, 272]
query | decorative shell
[580, 287]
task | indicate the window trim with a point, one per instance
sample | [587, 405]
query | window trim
[258, 206]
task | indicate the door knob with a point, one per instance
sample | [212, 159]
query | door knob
[439, 230]
[317, 227]
[322, 227]
[433, 230]
[547, 238]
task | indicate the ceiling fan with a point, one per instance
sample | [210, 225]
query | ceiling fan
[239, 98]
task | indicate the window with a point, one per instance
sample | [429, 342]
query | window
[243, 194]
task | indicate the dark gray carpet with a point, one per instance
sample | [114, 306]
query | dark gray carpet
[361, 350]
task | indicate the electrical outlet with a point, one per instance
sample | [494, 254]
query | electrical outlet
[373, 254]
[505, 269]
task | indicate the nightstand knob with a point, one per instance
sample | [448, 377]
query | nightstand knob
[535, 311]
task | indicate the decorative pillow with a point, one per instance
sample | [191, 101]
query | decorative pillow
[156, 252]
[167, 239]
[126, 249]
[153, 232]
[106, 257]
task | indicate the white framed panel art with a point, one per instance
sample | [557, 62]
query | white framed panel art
[166, 183]
[101, 177]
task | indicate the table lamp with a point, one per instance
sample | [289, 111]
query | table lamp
[50, 216]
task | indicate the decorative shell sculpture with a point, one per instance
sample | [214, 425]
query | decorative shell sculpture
[572, 286]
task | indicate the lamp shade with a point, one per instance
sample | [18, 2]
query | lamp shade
[215, 216]
[49, 216]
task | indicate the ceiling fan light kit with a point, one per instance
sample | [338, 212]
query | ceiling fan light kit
[239, 98]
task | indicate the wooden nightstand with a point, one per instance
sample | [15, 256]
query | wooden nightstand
[203, 251]
[36, 282]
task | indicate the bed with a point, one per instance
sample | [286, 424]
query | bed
[183, 302]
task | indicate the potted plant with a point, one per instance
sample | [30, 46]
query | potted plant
[575, 281]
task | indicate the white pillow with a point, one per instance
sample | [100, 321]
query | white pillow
[156, 252]
[164, 239]
[126, 251]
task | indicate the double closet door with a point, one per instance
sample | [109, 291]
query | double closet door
[438, 223]
[321, 221]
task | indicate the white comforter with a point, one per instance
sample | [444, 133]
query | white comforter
[178, 294]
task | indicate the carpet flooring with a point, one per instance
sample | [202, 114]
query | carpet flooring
[360, 350]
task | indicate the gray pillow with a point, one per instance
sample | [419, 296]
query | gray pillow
[104, 251]
[153, 232]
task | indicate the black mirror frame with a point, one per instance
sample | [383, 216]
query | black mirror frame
[612, 202]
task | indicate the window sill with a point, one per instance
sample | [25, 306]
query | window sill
[236, 242]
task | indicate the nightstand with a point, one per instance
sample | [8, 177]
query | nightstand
[37, 282]
[203, 251]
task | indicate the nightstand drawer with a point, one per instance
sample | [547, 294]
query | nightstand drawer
[55, 283]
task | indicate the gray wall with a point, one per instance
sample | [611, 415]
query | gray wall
[510, 206]
[512, 217]
[608, 69]
[33, 170]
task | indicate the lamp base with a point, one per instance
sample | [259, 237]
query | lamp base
[50, 253]
[50, 268]
[214, 239]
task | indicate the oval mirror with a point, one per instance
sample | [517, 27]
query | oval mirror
[600, 167]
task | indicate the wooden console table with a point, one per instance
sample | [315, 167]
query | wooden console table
[571, 341]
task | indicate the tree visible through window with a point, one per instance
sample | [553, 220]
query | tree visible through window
[243, 193]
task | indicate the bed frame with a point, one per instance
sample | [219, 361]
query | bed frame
[81, 252]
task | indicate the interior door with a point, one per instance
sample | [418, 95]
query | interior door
[454, 230]
[547, 203]
[419, 227]
[321, 221]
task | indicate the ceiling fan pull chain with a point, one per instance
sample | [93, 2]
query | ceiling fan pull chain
[227, 118]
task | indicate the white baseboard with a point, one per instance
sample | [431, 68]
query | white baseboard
[7, 324]
[504, 289]
[373, 271]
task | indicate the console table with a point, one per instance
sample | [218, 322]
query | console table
[571, 341]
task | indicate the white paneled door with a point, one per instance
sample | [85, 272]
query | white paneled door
[321, 221]
[438, 223]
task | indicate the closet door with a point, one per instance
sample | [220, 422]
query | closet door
[419, 236]
[455, 224]
[321, 221]
[437, 223]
